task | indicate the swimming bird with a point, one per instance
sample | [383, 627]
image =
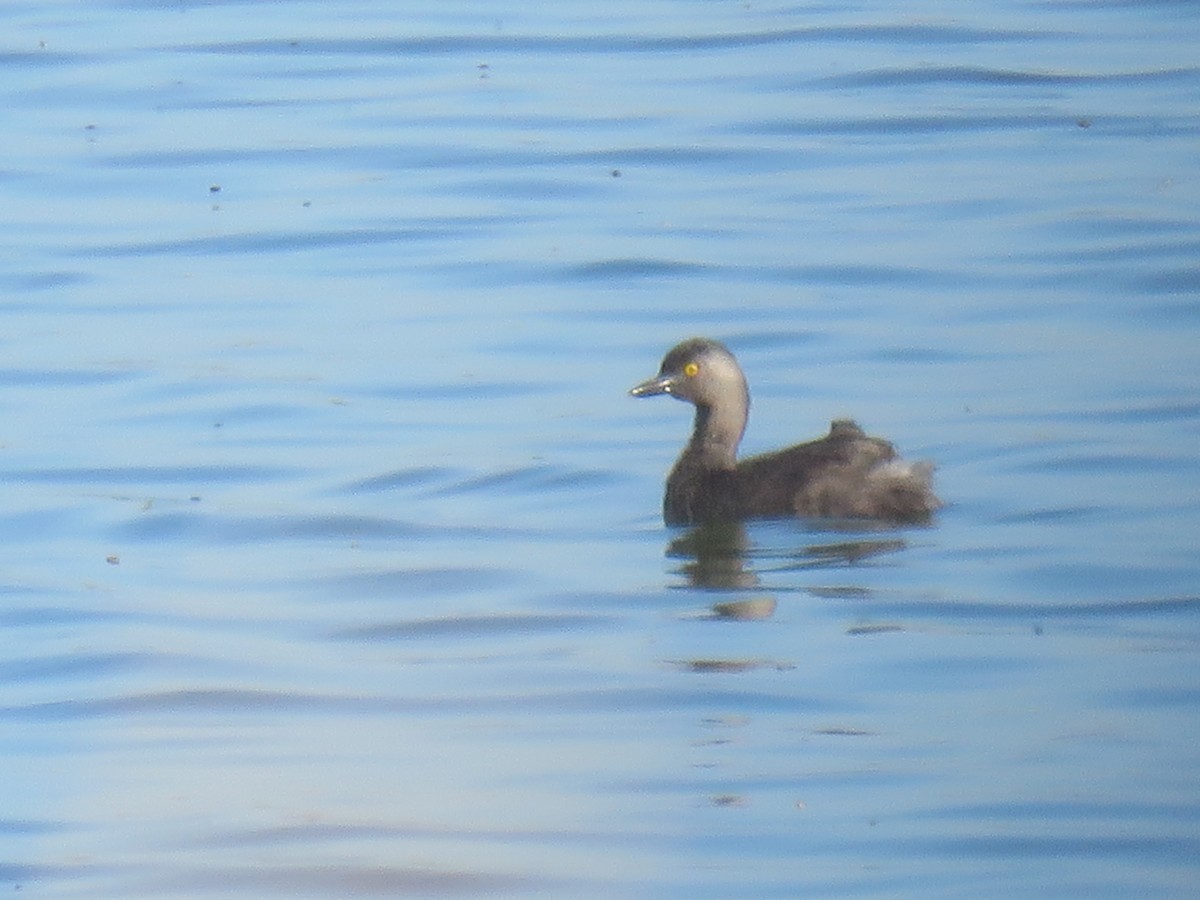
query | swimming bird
[845, 474]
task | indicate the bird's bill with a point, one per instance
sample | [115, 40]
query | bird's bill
[659, 385]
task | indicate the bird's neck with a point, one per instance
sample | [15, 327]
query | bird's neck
[716, 435]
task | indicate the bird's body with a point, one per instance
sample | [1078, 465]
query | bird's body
[846, 474]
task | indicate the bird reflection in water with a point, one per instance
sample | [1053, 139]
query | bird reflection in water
[714, 558]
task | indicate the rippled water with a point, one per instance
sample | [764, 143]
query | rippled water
[334, 564]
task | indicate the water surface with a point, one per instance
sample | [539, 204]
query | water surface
[334, 564]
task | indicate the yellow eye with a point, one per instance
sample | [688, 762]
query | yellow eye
[690, 370]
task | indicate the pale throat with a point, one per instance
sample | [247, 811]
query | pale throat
[716, 435]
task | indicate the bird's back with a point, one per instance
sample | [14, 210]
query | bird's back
[811, 478]
[845, 474]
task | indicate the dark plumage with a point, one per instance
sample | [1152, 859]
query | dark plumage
[846, 474]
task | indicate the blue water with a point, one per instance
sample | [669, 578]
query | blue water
[333, 557]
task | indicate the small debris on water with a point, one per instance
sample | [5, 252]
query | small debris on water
[729, 800]
[874, 628]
